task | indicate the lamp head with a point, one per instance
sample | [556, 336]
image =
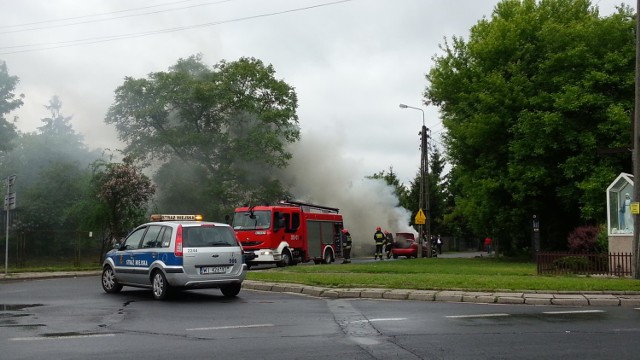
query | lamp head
[403, 106]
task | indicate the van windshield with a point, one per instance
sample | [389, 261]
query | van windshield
[255, 220]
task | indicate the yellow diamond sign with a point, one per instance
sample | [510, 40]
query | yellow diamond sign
[420, 218]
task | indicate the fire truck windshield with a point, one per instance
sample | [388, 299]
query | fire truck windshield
[254, 220]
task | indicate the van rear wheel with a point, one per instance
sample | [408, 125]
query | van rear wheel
[230, 290]
[161, 287]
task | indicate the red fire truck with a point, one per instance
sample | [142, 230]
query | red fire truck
[289, 232]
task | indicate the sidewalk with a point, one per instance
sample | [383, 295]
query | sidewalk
[562, 298]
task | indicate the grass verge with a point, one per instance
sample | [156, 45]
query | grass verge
[441, 274]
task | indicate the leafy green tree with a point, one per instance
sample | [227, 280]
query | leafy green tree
[231, 122]
[437, 192]
[9, 101]
[527, 101]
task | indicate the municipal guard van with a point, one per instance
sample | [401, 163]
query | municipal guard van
[174, 252]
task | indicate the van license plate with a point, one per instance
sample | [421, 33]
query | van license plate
[213, 270]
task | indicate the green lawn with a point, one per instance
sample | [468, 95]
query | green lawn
[440, 274]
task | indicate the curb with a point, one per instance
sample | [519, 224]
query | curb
[524, 298]
[568, 298]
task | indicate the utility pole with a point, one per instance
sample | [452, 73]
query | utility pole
[424, 174]
[425, 151]
[636, 149]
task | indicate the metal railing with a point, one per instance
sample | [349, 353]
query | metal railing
[611, 264]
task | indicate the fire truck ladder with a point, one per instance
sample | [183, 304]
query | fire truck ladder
[311, 206]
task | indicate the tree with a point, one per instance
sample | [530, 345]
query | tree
[527, 102]
[123, 192]
[9, 101]
[231, 121]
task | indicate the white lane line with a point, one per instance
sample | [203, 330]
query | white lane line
[60, 337]
[230, 327]
[374, 320]
[476, 316]
[573, 312]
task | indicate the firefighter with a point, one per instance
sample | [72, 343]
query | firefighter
[379, 238]
[346, 246]
[389, 243]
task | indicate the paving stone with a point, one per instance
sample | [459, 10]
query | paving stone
[574, 301]
[449, 296]
[372, 293]
[422, 295]
[313, 290]
[629, 301]
[348, 293]
[396, 294]
[510, 300]
[330, 294]
[537, 300]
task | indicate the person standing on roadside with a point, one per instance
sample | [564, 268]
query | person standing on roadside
[389, 243]
[439, 244]
[346, 246]
[379, 238]
[487, 244]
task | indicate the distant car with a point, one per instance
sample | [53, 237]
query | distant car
[405, 245]
[176, 252]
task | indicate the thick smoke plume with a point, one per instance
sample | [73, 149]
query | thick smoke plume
[318, 173]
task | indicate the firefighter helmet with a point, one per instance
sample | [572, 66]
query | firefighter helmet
[378, 228]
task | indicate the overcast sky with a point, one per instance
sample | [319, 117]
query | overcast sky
[351, 62]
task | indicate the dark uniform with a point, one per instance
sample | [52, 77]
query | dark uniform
[346, 246]
[379, 238]
[389, 241]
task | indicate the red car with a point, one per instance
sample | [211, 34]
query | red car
[405, 245]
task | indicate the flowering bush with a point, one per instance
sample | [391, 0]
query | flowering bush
[584, 239]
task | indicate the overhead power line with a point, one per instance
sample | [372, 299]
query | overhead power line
[93, 40]
[103, 14]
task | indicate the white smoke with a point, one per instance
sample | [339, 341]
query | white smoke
[318, 173]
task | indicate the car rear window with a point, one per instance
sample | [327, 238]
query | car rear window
[208, 236]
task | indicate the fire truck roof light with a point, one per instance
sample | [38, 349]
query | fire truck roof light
[166, 217]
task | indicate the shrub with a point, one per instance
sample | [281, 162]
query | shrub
[583, 239]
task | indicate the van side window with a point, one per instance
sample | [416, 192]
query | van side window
[133, 241]
[165, 237]
[151, 237]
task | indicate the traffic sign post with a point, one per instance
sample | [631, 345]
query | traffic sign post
[9, 204]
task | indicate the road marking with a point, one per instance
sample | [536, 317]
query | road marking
[61, 337]
[476, 316]
[374, 320]
[230, 327]
[573, 312]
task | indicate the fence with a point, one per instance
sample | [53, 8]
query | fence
[52, 248]
[612, 264]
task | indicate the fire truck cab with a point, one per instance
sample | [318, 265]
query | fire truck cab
[289, 232]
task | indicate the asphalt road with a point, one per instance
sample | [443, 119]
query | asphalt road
[72, 318]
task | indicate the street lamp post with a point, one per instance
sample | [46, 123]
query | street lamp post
[424, 184]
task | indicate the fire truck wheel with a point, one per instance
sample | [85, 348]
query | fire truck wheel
[327, 259]
[286, 259]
